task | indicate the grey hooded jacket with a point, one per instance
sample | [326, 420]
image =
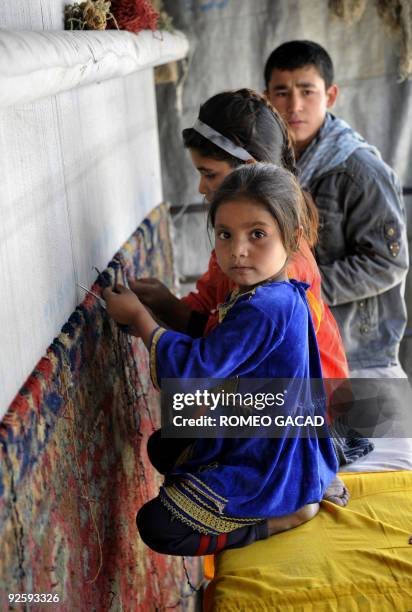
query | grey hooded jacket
[363, 256]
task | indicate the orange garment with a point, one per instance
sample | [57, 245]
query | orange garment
[214, 287]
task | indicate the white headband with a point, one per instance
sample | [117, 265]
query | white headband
[221, 141]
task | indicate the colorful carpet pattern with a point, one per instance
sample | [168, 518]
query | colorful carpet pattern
[74, 469]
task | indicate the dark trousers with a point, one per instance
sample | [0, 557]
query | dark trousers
[165, 533]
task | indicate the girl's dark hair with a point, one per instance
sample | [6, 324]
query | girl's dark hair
[271, 186]
[249, 121]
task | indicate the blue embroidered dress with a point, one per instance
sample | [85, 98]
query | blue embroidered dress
[265, 333]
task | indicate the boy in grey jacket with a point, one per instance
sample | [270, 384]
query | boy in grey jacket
[362, 251]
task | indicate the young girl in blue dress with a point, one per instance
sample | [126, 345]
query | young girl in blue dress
[224, 492]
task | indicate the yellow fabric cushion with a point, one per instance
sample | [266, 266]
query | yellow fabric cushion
[349, 559]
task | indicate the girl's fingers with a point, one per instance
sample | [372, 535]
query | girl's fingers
[148, 281]
[144, 283]
[120, 289]
[116, 290]
[106, 291]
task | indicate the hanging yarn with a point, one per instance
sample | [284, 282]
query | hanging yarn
[350, 11]
[397, 14]
[89, 15]
[95, 14]
[135, 15]
[165, 21]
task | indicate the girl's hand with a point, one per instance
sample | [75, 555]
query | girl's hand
[152, 293]
[122, 304]
[164, 305]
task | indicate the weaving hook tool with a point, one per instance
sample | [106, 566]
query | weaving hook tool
[99, 299]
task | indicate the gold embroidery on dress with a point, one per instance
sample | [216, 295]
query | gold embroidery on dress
[153, 369]
[205, 520]
[203, 485]
[185, 455]
[186, 519]
[224, 308]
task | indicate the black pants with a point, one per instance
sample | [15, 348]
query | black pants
[164, 533]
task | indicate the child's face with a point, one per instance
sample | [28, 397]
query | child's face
[212, 172]
[302, 99]
[248, 244]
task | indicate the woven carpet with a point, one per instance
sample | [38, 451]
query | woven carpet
[74, 469]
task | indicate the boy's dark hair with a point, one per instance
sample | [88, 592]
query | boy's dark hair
[298, 54]
[271, 186]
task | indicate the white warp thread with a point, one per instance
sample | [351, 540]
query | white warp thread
[35, 65]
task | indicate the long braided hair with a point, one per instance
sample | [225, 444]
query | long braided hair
[248, 119]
